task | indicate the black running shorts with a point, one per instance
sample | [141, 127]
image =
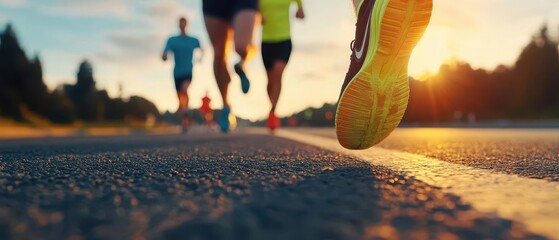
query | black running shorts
[180, 80]
[227, 9]
[276, 51]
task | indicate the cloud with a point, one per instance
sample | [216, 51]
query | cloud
[162, 9]
[124, 47]
[139, 46]
[143, 40]
[130, 55]
[88, 8]
[14, 3]
[168, 11]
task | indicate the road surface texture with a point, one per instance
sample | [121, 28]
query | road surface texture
[212, 186]
[526, 152]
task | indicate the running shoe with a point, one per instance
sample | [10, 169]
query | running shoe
[375, 92]
[223, 121]
[273, 121]
[245, 83]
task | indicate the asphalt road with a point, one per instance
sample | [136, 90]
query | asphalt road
[525, 152]
[213, 186]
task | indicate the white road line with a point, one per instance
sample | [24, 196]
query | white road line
[533, 202]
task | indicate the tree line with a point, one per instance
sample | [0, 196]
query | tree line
[526, 90]
[22, 90]
[458, 92]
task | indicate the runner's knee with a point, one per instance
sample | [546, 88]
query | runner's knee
[242, 49]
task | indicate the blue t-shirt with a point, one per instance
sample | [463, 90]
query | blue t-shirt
[183, 49]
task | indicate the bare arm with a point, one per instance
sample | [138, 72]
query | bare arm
[166, 50]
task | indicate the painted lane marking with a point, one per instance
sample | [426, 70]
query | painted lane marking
[533, 202]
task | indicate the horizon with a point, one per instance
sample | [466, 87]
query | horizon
[124, 46]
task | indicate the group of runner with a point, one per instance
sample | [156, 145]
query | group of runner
[373, 97]
[236, 20]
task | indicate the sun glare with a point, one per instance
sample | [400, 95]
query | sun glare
[431, 52]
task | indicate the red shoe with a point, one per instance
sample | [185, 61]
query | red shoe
[273, 121]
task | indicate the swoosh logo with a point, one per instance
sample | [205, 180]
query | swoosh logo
[359, 54]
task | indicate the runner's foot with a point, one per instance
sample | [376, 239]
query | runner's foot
[273, 121]
[245, 83]
[223, 121]
[375, 92]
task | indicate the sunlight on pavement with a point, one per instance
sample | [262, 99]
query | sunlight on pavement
[533, 202]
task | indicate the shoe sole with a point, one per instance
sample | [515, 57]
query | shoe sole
[375, 100]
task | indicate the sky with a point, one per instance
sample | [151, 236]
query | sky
[123, 39]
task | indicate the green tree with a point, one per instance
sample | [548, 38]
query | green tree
[13, 67]
[83, 93]
[536, 76]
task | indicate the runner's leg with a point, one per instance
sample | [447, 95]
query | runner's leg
[274, 82]
[183, 95]
[183, 102]
[219, 32]
[243, 24]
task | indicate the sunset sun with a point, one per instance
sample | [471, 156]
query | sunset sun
[432, 51]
